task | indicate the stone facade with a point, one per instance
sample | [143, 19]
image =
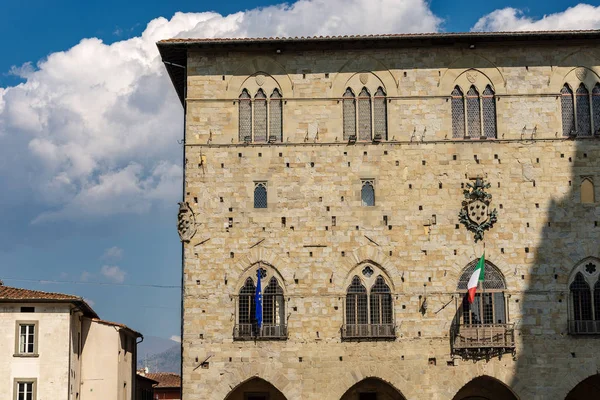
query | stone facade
[315, 235]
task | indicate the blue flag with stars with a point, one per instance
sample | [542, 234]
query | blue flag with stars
[258, 300]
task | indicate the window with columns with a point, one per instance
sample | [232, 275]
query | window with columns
[580, 111]
[584, 298]
[260, 117]
[365, 116]
[473, 115]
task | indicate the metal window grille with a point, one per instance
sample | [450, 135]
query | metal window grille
[25, 391]
[275, 116]
[381, 302]
[597, 301]
[473, 113]
[260, 116]
[367, 193]
[26, 339]
[581, 298]
[487, 308]
[583, 111]
[364, 115]
[493, 278]
[260, 195]
[380, 114]
[245, 115]
[356, 303]
[489, 113]
[596, 107]
[458, 113]
[349, 110]
[273, 303]
[567, 110]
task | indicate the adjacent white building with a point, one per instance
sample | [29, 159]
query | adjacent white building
[54, 346]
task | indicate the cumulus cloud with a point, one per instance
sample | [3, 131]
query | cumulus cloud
[113, 253]
[176, 338]
[113, 273]
[96, 126]
[582, 16]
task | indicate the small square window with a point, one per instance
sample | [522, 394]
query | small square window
[260, 194]
[367, 193]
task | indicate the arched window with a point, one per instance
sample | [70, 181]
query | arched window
[380, 114]
[245, 117]
[356, 303]
[349, 114]
[273, 309]
[489, 113]
[473, 113]
[246, 309]
[367, 193]
[458, 114]
[581, 299]
[260, 116]
[587, 191]
[364, 115]
[584, 298]
[567, 110]
[275, 117]
[583, 111]
[596, 108]
[260, 194]
[381, 303]
[489, 305]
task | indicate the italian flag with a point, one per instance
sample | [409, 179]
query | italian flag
[476, 278]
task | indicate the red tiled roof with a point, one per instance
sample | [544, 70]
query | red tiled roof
[165, 379]
[12, 294]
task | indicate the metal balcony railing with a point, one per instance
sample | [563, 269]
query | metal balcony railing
[480, 336]
[265, 332]
[579, 327]
[368, 331]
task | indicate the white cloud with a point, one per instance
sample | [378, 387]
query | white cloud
[582, 16]
[85, 276]
[113, 273]
[176, 338]
[96, 126]
[90, 302]
[113, 253]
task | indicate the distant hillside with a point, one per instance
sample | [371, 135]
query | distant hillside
[153, 345]
[166, 361]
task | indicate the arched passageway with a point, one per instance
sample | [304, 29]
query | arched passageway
[485, 388]
[372, 389]
[586, 389]
[255, 389]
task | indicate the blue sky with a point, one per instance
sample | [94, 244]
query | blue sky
[89, 160]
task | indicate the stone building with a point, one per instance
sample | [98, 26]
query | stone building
[335, 169]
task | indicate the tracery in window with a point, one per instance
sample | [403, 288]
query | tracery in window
[367, 193]
[583, 111]
[584, 298]
[260, 118]
[245, 116]
[349, 105]
[260, 194]
[567, 110]
[367, 112]
[275, 116]
[458, 113]
[473, 113]
[489, 304]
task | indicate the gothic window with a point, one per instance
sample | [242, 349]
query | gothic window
[473, 113]
[489, 305]
[581, 299]
[584, 298]
[247, 306]
[260, 116]
[583, 111]
[381, 303]
[367, 193]
[364, 115]
[356, 303]
[458, 113]
[596, 108]
[567, 110]
[260, 194]
[275, 116]
[273, 304]
[587, 191]
[245, 117]
[349, 114]
[380, 114]
[489, 113]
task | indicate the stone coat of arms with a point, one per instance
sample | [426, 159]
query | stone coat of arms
[186, 222]
[476, 214]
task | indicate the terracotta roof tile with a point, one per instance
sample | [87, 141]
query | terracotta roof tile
[11, 293]
[165, 379]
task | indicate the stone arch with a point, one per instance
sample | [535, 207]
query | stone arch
[371, 81]
[472, 62]
[573, 77]
[235, 383]
[568, 66]
[499, 261]
[585, 389]
[250, 272]
[260, 65]
[379, 371]
[367, 280]
[364, 63]
[590, 277]
[363, 255]
[261, 253]
[384, 390]
[476, 78]
[485, 387]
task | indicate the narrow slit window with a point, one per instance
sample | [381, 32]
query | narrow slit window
[245, 116]
[567, 111]
[380, 114]
[473, 113]
[276, 117]
[458, 114]
[596, 108]
[489, 113]
[368, 193]
[349, 110]
[260, 117]
[260, 195]
[584, 127]
[364, 115]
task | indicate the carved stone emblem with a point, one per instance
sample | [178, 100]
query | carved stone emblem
[581, 73]
[186, 222]
[472, 76]
[260, 80]
[475, 213]
[364, 78]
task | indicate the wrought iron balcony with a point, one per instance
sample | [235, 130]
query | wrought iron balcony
[483, 339]
[265, 332]
[368, 331]
[579, 327]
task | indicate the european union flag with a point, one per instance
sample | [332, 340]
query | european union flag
[258, 301]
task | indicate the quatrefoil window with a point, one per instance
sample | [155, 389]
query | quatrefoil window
[590, 268]
[367, 271]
